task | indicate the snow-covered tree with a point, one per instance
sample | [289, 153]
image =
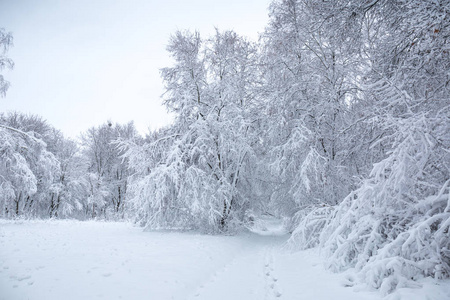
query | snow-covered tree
[311, 92]
[107, 171]
[6, 40]
[198, 181]
[28, 168]
[70, 186]
[338, 120]
[394, 227]
[399, 228]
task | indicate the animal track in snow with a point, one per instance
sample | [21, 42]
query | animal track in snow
[271, 280]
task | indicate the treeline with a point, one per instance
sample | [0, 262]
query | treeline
[337, 120]
[45, 175]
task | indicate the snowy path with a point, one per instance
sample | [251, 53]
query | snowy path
[89, 260]
[250, 273]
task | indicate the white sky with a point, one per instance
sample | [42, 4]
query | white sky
[79, 63]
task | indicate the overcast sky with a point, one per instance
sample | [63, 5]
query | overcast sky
[79, 63]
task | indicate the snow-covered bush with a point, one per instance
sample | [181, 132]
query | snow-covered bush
[308, 225]
[422, 250]
[394, 228]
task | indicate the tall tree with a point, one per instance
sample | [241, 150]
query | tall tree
[310, 75]
[198, 182]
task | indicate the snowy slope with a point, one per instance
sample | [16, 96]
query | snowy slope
[96, 260]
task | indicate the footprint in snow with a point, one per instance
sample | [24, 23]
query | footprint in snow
[271, 280]
[106, 274]
[348, 281]
[21, 278]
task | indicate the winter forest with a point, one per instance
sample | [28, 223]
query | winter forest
[336, 121]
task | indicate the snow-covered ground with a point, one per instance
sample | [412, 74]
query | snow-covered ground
[99, 260]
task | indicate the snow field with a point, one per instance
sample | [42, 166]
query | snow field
[99, 260]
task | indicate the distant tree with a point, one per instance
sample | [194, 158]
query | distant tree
[42, 173]
[6, 41]
[107, 171]
[69, 189]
